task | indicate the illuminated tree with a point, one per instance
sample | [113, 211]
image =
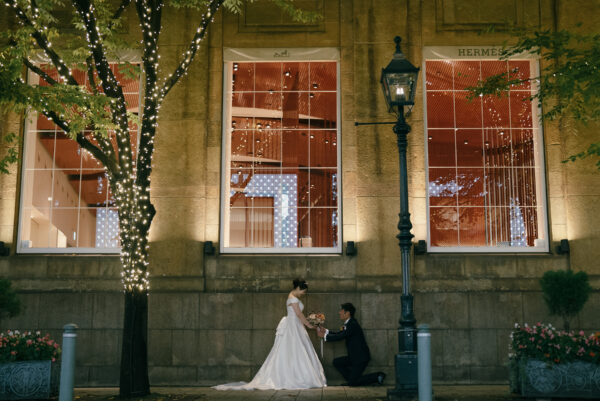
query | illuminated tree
[102, 110]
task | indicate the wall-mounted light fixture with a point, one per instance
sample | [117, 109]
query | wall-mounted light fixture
[421, 247]
[209, 248]
[351, 248]
[563, 247]
[4, 250]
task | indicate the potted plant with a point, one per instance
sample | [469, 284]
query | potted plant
[548, 362]
[27, 369]
[565, 293]
[545, 361]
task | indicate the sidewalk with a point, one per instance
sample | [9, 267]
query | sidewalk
[333, 393]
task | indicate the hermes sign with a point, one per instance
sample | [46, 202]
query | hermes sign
[467, 52]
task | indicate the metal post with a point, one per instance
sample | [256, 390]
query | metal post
[424, 363]
[67, 365]
[406, 359]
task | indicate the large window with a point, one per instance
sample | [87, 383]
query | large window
[281, 180]
[66, 201]
[484, 157]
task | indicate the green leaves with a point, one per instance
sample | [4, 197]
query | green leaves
[565, 293]
[496, 85]
[592, 150]
[11, 157]
[568, 83]
[297, 14]
[70, 103]
[9, 302]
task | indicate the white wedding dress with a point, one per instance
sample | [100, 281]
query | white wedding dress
[292, 363]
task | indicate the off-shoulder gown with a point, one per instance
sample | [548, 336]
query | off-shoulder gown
[292, 363]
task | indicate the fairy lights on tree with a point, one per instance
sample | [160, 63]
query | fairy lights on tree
[102, 110]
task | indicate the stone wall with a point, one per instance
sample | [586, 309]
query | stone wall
[220, 328]
[212, 318]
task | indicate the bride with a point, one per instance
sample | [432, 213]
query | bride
[292, 363]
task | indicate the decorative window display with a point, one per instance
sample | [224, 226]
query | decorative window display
[281, 156]
[66, 201]
[485, 163]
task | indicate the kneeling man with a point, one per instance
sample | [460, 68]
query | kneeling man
[353, 365]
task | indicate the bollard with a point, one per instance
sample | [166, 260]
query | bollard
[424, 363]
[67, 365]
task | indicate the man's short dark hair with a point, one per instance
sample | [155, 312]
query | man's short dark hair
[348, 307]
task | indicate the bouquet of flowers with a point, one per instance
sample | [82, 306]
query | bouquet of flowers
[27, 346]
[316, 318]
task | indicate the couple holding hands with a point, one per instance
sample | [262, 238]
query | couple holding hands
[294, 364]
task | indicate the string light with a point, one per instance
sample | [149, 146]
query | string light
[129, 179]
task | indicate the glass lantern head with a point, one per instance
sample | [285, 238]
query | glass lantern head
[399, 81]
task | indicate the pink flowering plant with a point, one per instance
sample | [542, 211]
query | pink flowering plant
[546, 343]
[27, 346]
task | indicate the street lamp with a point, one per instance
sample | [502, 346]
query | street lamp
[399, 82]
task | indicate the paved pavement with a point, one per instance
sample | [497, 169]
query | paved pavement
[333, 393]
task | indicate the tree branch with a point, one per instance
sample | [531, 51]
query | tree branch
[150, 21]
[109, 83]
[149, 16]
[39, 72]
[104, 158]
[119, 12]
[110, 86]
[213, 7]
[85, 143]
[44, 44]
[90, 73]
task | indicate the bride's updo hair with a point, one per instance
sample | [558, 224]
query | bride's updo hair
[300, 283]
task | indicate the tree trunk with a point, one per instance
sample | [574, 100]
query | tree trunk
[134, 356]
[133, 227]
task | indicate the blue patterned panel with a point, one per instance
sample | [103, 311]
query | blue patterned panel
[25, 380]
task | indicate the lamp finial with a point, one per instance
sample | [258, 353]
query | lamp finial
[398, 39]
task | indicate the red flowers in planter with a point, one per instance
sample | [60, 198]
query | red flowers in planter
[546, 343]
[27, 346]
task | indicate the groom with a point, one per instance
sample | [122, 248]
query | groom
[353, 365]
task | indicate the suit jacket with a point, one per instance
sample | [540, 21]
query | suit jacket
[358, 350]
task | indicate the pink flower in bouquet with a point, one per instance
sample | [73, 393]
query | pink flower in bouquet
[316, 318]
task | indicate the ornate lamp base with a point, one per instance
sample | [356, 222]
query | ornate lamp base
[406, 378]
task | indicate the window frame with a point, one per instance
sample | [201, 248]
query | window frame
[231, 55]
[126, 56]
[474, 53]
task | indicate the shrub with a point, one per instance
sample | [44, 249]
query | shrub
[565, 293]
[27, 346]
[9, 302]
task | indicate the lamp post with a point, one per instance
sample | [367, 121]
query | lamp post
[399, 82]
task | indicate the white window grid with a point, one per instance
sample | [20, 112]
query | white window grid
[108, 213]
[226, 164]
[537, 130]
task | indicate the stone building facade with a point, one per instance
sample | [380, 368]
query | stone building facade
[212, 316]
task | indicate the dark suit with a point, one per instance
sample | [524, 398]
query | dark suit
[353, 365]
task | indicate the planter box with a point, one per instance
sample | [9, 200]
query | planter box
[28, 380]
[534, 378]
